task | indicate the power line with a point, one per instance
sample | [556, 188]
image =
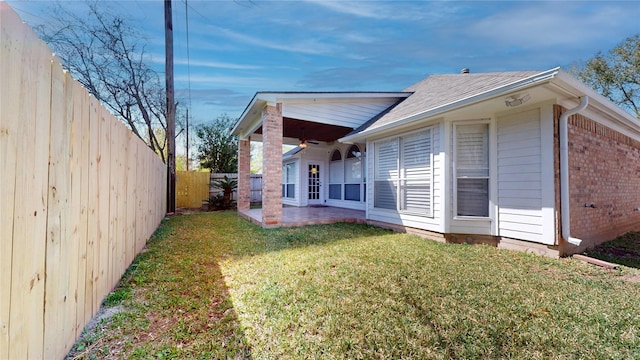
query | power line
[186, 18]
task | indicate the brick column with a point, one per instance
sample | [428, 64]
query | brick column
[244, 174]
[272, 166]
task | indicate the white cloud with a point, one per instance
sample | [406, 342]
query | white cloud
[160, 58]
[552, 24]
[308, 46]
[391, 10]
[236, 82]
[361, 8]
[216, 64]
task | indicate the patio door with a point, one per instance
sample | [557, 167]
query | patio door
[314, 183]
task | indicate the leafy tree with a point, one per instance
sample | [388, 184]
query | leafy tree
[107, 56]
[256, 158]
[218, 148]
[616, 74]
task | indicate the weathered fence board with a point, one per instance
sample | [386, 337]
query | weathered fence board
[8, 160]
[91, 305]
[80, 195]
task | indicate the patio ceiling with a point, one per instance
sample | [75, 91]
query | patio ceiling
[328, 116]
[309, 130]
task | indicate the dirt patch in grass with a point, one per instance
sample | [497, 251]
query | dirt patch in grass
[91, 340]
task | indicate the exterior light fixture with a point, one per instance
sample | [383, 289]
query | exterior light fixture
[516, 100]
[303, 145]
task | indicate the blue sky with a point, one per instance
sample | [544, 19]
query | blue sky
[240, 47]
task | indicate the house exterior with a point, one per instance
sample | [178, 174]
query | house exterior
[532, 160]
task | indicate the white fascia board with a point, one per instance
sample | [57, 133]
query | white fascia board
[283, 97]
[527, 82]
[337, 97]
[597, 100]
[245, 118]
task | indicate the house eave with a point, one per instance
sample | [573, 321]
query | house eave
[597, 101]
[249, 120]
[564, 83]
[438, 111]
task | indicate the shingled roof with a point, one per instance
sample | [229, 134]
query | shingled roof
[440, 90]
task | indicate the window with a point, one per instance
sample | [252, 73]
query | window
[289, 180]
[335, 176]
[386, 174]
[352, 173]
[403, 173]
[472, 170]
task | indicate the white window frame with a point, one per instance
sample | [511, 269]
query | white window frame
[285, 178]
[332, 165]
[400, 177]
[347, 160]
[455, 169]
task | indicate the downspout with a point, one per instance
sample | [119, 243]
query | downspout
[564, 170]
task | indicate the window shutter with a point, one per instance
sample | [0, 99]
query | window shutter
[403, 173]
[387, 160]
[386, 172]
[416, 160]
[416, 165]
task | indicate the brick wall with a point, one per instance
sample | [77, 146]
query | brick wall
[244, 174]
[604, 170]
[272, 166]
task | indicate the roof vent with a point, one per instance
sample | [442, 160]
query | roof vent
[464, 71]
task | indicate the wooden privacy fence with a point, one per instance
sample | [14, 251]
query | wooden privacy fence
[191, 188]
[79, 196]
[256, 186]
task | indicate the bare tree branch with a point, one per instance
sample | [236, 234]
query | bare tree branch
[106, 55]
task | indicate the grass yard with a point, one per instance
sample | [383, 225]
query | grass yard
[212, 285]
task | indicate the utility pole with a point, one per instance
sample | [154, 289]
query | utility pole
[187, 139]
[171, 108]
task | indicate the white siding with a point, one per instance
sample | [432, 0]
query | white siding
[520, 176]
[438, 169]
[349, 114]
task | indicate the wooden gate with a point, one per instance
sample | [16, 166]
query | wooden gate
[191, 188]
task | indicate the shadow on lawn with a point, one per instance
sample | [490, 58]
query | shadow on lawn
[181, 306]
[625, 250]
[174, 301]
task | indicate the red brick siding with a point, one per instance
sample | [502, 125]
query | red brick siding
[604, 170]
[272, 166]
[244, 174]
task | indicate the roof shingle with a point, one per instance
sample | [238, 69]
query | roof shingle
[439, 90]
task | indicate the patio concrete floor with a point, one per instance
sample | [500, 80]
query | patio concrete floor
[301, 216]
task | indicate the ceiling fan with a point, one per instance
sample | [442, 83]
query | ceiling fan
[304, 141]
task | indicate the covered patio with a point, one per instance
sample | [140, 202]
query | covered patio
[314, 122]
[311, 215]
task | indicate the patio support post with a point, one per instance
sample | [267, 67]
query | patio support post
[272, 166]
[244, 174]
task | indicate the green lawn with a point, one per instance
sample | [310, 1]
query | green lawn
[212, 285]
